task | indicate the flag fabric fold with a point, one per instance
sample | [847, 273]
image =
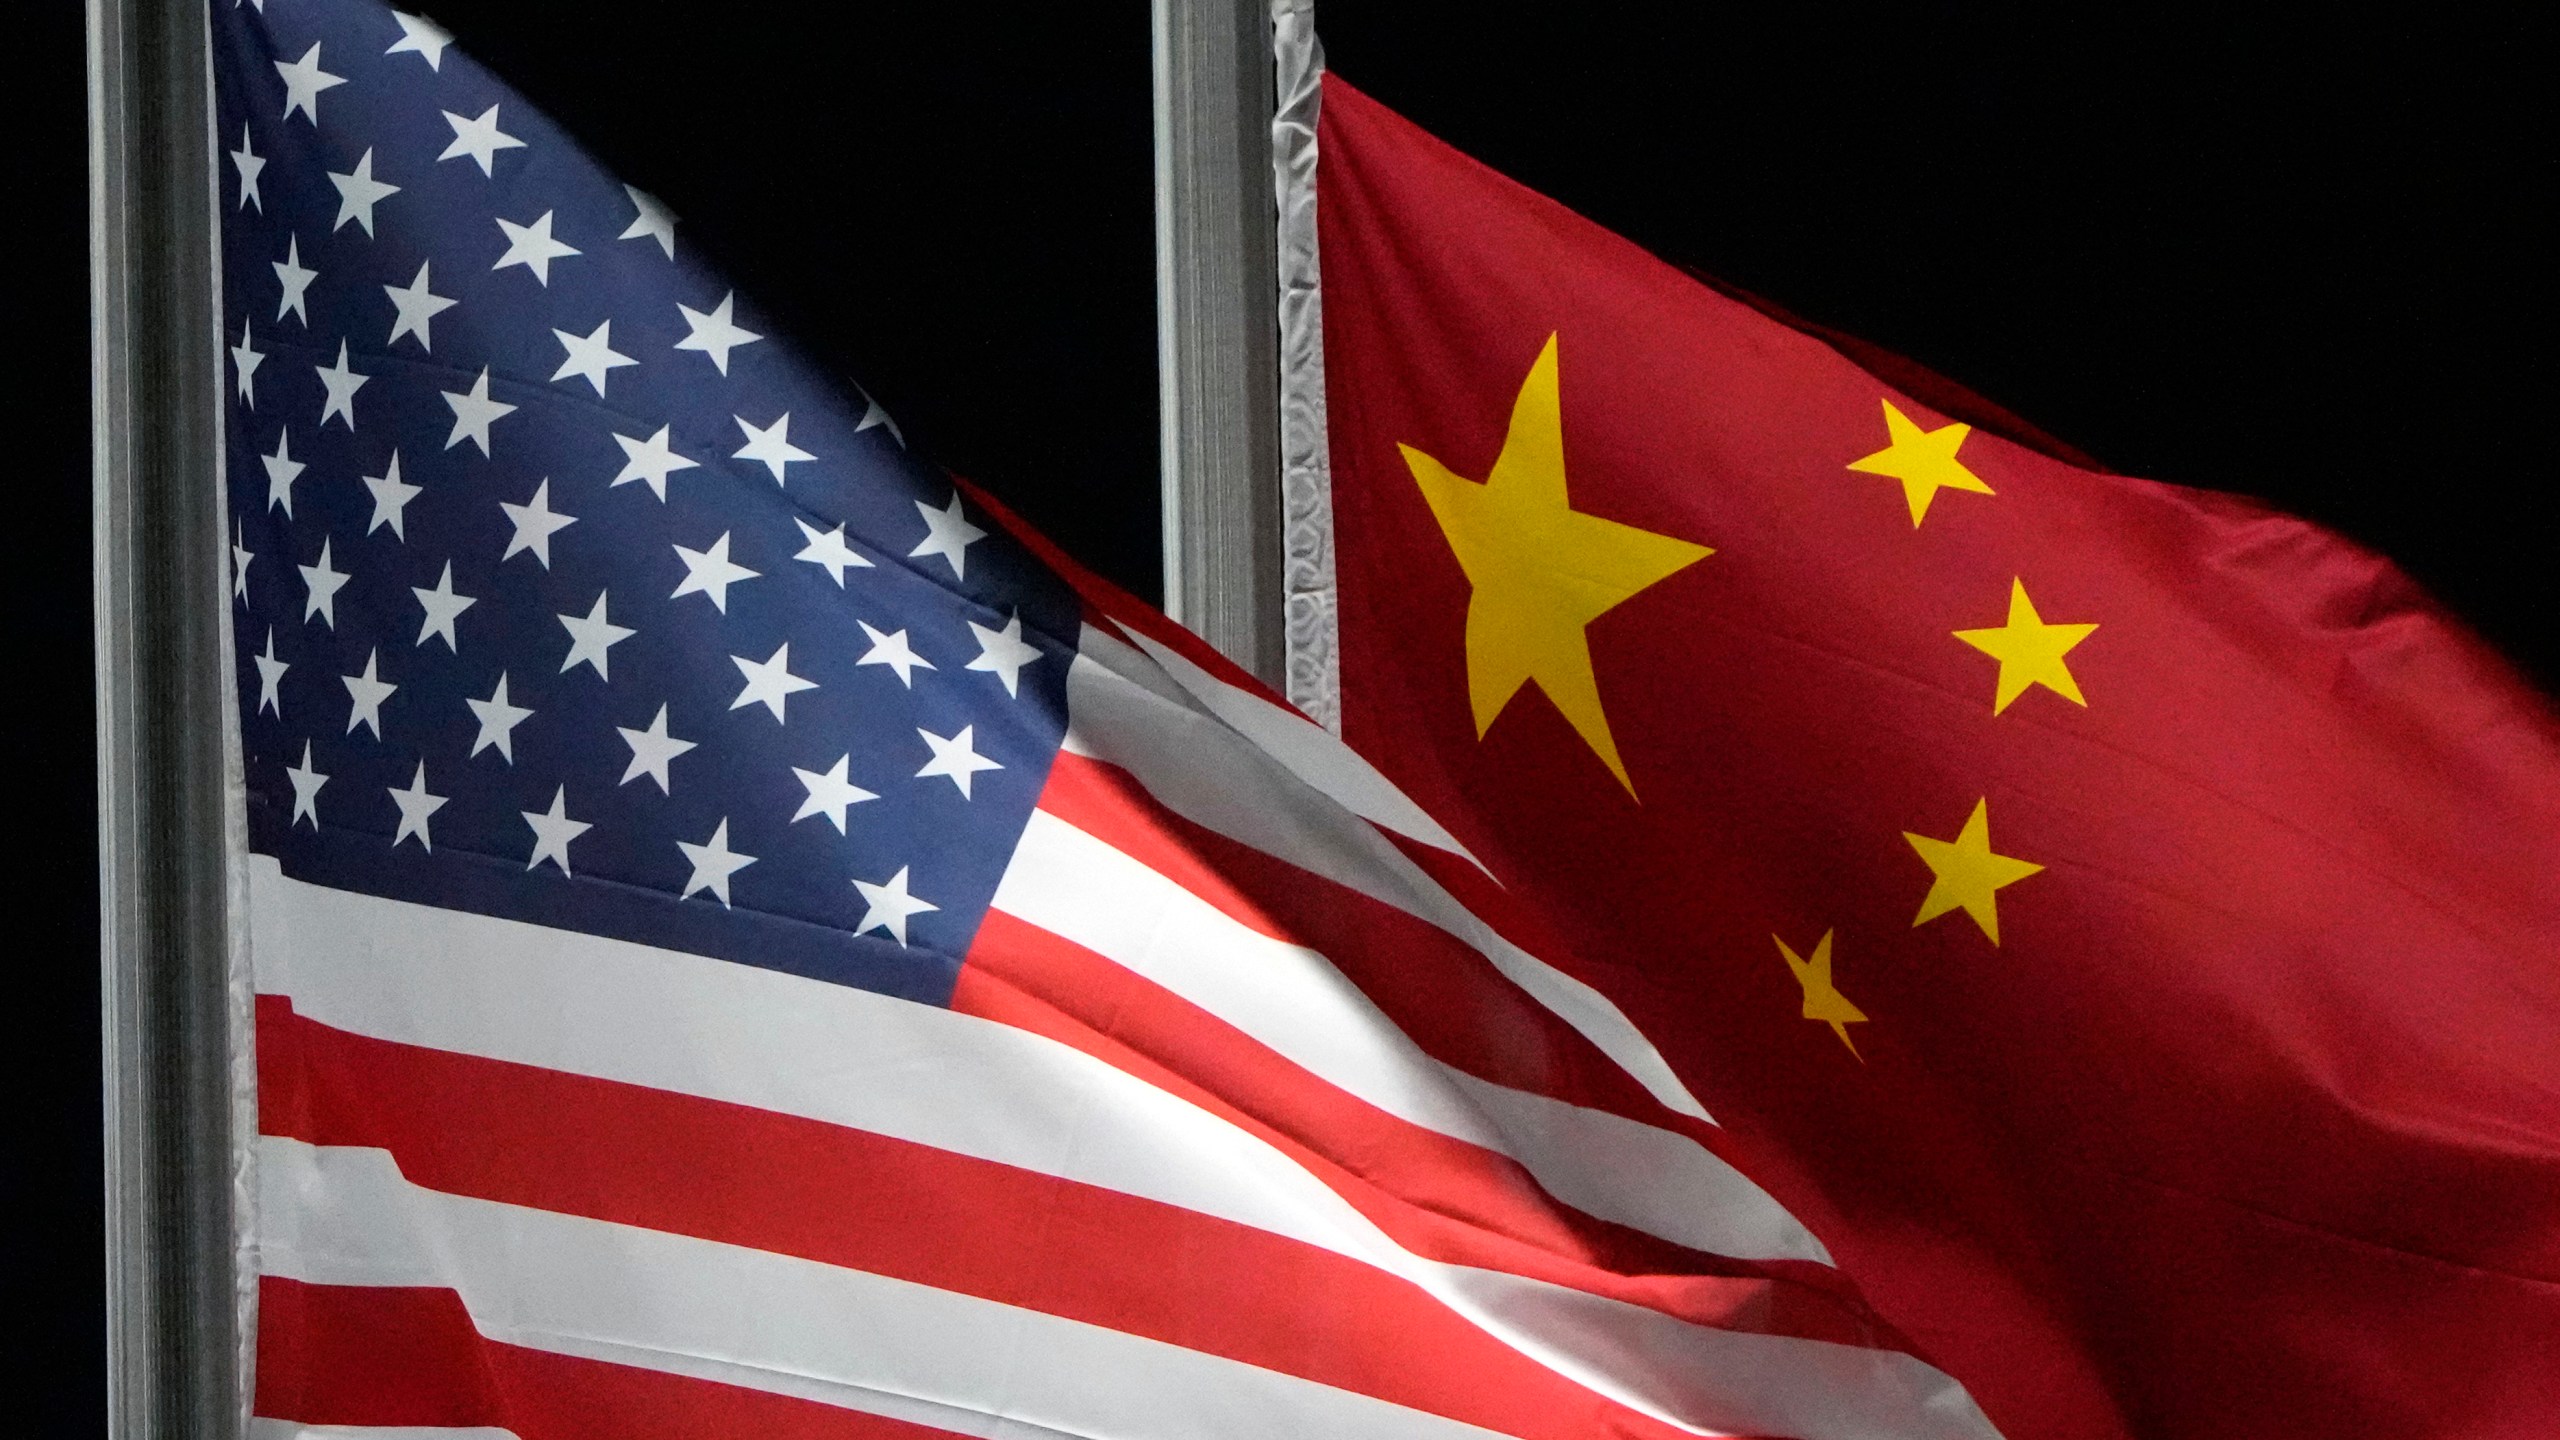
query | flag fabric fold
[2122, 921]
[747, 940]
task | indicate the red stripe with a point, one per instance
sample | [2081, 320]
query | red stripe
[1437, 990]
[685, 1165]
[384, 1355]
[1441, 1198]
[1021, 975]
[1449, 999]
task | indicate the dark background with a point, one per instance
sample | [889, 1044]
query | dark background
[2284, 257]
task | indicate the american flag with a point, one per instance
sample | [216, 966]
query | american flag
[746, 943]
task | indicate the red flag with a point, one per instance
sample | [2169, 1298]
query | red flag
[2124, 921]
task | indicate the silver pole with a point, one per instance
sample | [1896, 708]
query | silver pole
[1217, 326]
[159, 604]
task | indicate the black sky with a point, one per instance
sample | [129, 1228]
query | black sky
[2242, 251]
[2294, 257]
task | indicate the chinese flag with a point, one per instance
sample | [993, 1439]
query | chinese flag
[2124, 922]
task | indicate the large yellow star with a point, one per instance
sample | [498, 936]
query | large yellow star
[1821, 1000]
[1923, 460]
[1968, 874]
[2029, 651]
[1540, 570]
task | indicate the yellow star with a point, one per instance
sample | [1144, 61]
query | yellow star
[1968, 874]
[1540, 570]
[1821, 1001]
[2029, 651]
[1923, 460]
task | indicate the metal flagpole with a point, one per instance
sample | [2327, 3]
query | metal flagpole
[159, 601]
[1217, 326]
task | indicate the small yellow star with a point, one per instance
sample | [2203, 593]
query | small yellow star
[2029, 651]
[1968, 874]
[1539, 570]
[1923, 460]
[1821, 1001]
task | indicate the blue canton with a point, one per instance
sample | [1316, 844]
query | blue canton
[564, 588]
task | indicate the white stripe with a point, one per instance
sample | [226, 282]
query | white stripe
[262, 1427]
[1641, 1176]
[592, 1288]
[1120, 711]
[583, 1004]
[1289, 997]
[1307, 750]
[1295, 1001]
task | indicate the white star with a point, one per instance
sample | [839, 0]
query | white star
[532, 247]
[553, 831]
[322, 582]
[713, 334]
[713, 863]
[1003, 653]
[651, 751]
[248, 162]
[474, 412]
[589, 357]
[365, 694]
[498, 721]
[341, 384]
[391, 496]
[893, 651]
[282, 470]
[240, 558]
[306, 789]
[954, 758]
[827, 548]
[591, 638]
[421, 37]
[480, 141]
[829, 793]
[415, 806]
[270, 674]
[769, 682]
[771, 445]
[303, 82]
[873, 415]
[443, 608]
[418, 308]
[652, 460]
[654, 222]
[358, 193]
[889, 907]
[246, 361]
[948, 534]
[536, 522]
[296, 280]
[710, 572]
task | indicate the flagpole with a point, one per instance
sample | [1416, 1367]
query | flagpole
[159, 602]
[1217, 326]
